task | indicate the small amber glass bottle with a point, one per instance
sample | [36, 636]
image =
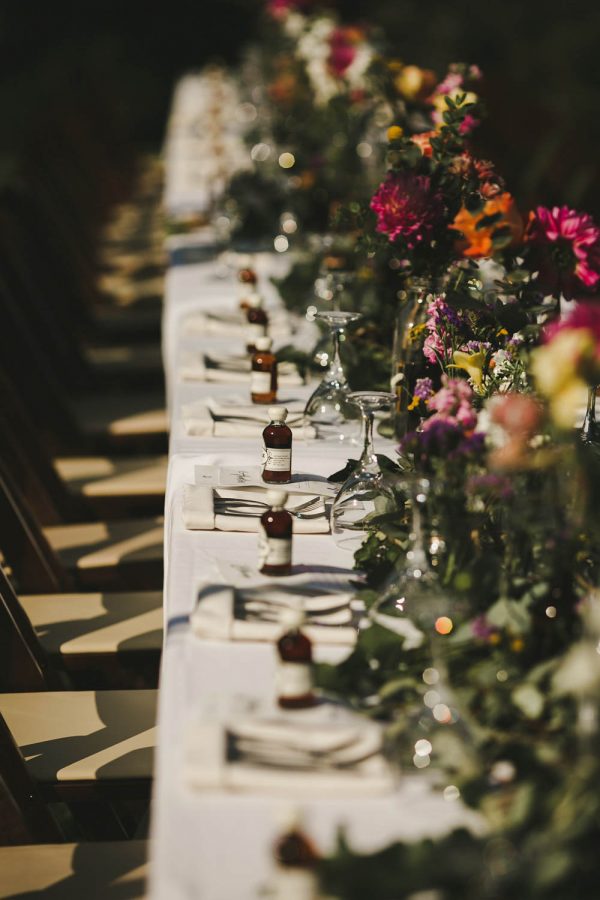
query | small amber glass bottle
[263, 376]
[294, 673]
[275, 536]
[277, 448]
[296, 860]
[247, 279]
[258, 321]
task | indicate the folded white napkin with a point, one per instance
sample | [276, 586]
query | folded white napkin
[254, 614]
[201, 513]
[231, 370]
[234, 324]
[219, 419]
[300, 752]
[320, 575]
[251, 477]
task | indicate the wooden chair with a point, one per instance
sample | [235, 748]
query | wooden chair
[91, 750]
[45, 261]
[81, 641]
[31, 358]
[123, 555]
[94, 871]
[81, 488]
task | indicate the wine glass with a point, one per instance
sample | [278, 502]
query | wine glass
[329, 407]
[364, 493]
[414, 590]
[416, 605]
[332, 284]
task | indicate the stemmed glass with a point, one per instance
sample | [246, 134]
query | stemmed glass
[415, 590]
[422, 611]
[329, 408]
[364, 493]
[331, 285]
[590, 430]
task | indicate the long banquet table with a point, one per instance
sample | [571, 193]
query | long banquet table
[216, 844]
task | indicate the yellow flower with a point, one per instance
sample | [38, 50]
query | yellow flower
[556, 367]
[517, 645]
[472, 363]
[395, 65]
[416, 331]
[394, 133]
[413, 404]
[414, 83]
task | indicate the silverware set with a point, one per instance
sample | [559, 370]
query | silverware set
[262, 753]
[230, 506]
[261, 609]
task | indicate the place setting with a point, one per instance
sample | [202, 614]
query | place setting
[233, 416]
[300, 458]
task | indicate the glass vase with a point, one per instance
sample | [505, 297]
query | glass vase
[590, 430]
[408, 361]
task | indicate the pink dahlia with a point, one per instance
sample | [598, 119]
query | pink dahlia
[406, 207]
[343, 49]
[279, 9]
[569, 242]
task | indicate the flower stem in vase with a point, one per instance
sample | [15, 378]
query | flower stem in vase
[408, 361]
[589, 429]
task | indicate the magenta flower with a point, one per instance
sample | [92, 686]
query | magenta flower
[481, 628]
[451, 82]
[468, 124]
[423, 388]
[280, 9]
[442, 322]
[407, 208]
[343, 51]
[569, 245]
[453, 403]
[434, 348]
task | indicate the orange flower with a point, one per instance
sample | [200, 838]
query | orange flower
[283, 90]
[307, 179]
[423, 141]
[479, 242]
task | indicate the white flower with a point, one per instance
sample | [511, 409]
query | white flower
[294, 24]
[495, 435]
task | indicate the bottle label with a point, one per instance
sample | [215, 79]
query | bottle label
[294, 679]
[273, 551]
[260, 383]
[277, 460]
[255, 330]
[294, 883]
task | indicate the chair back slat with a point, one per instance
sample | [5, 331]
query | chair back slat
[28, 553]
[24, 816]
[24, 665]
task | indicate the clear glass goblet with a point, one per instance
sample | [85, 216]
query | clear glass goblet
[364, 493]
[414, 590]
[332, 285]
[424, 612]
[329, 408]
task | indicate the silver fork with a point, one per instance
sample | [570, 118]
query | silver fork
[239, 511]
[235, 502]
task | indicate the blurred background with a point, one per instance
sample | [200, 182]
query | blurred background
[540, 61]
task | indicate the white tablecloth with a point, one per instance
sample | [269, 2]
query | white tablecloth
[213, 844]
